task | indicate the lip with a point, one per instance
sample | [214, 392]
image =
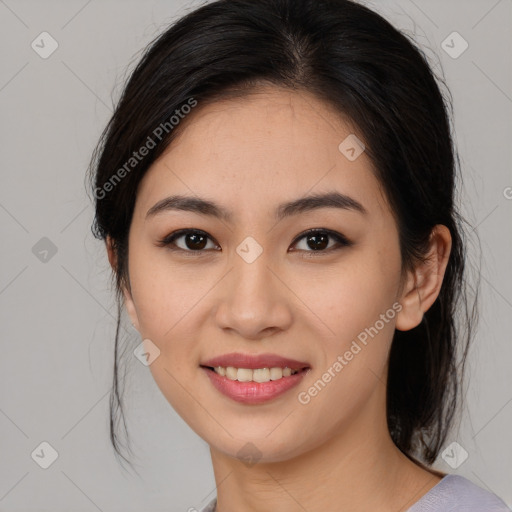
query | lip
[253, 393]
[249, 361]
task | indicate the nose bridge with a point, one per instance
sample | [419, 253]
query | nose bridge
[251, 274]
[250, 301]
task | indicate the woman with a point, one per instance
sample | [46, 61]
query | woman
[276, 194]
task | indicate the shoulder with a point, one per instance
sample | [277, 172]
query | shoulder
[455, 493]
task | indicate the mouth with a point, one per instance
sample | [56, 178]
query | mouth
[254, 378]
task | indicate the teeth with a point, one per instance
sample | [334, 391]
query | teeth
[231, 373]
[256, 375]
[275, 373]
[220, 370]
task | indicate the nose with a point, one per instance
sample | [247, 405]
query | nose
[254, 300]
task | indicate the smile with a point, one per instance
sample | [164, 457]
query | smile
[254, 386]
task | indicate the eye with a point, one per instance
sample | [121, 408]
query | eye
[194, 240]
[318, 240]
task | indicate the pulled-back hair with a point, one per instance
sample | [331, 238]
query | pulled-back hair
[355, 61]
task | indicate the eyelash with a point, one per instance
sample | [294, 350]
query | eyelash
[338, 237]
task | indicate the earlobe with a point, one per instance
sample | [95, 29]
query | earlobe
[111, 253]
[128, 300]
[424, 284]
[130, 308]
[411, 313]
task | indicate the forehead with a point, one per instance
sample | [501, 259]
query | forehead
[271, 145]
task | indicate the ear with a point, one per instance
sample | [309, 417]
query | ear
[128, 300]
[424, 283]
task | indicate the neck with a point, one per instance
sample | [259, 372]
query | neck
[358, 468]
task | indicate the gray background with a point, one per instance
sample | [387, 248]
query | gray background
[57, 316]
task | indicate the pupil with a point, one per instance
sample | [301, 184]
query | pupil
[322, 244]
[194, 238]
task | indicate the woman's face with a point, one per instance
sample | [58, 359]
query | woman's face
[253, 285]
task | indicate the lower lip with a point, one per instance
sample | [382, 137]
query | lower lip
[253, 392]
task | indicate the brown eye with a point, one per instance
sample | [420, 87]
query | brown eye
[190, 240]
[196, 241]
[317, 240]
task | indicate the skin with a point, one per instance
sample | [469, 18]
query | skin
[249, 155]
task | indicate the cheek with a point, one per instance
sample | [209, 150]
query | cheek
[357, 301]
[163, 292]
[358, 307]
[352, 294]
[165, 299]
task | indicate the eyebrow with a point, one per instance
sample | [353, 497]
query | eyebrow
[295, 207]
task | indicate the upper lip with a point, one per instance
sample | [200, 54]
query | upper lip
[250, 361]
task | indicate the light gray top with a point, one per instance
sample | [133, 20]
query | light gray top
[454, 493]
